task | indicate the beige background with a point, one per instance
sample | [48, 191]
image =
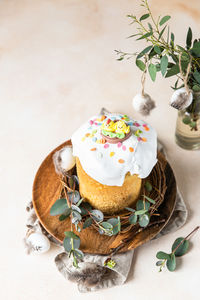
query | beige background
[57, 68]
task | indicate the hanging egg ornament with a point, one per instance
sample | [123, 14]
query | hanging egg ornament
[143, 104]
[37, 243]
[181, 99]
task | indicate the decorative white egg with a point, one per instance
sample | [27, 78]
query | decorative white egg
[143, 104]
[67, 159]
[38, 242]
[181, 99]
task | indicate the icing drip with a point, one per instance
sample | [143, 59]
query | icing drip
[108, 163]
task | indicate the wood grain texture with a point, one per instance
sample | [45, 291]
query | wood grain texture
[46, 190]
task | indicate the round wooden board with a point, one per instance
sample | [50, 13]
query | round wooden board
[46, 190]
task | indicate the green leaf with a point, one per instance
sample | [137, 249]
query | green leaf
[144, 17]
[148, 186]
[121, 58]
[173, 71]
[171, 263]
[115, 222]
[144, 219]
[97, 215]
[74, 197]
[196, 49]
[196, 75]
[196, 88]
[189, 38]
[140, 212]
[71, 243]
[163, 65]
[182, 249]
[76, 208]
[107, 225]
[157, 49]
[130, 209]
[87, 223]
[186, 120]
[144, 36]
[150, 27]
[140, 64]
[152, 71]
[71, 234]
[172, 38]
[141, 205]
[146, 50]
[164, 20]
[133, 219]
[162, 31]
[162, 255]
[149, 199]
[65, 215]
[59, 207]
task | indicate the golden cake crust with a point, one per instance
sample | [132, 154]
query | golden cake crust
[108, 199]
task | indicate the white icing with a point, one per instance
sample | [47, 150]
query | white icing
[106, 169]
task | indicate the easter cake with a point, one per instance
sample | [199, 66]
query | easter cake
[113, 154]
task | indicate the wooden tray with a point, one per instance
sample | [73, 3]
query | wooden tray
[46, 190]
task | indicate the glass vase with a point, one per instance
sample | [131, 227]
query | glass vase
[187, 133]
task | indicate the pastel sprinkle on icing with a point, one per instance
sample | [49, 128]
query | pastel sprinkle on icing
[131, 149]
[95, 123]
[144, 139]
[87, 134]
[91, 122]
[121, 161]
[93, 149]
[119, 144]
[112, 154]
[124, 148]
[94, 139]
[136, 124]
[83, 139]
[106, 146]
[94, 131]
[146, 128]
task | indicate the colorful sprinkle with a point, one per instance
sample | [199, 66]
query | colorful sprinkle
[93, 149]
[103, 118]
[144, 139]
[131, 149]
[121, 161]
[146, 127]
[119, 144]
[130, 123]
[94, 131]
[91, 135]
[139, 138]
[83, 139]
[106, 146]
[112, 154]
[124, 148]
[95, 123]
[91, 122]
[87, 134]
[94, 139]
[136, 124]
[102, 141]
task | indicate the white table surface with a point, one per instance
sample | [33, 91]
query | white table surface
[57, 68]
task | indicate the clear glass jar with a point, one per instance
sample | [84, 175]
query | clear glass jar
[187, 133]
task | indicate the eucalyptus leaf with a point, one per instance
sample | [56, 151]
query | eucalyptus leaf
[78, 253]
[140, 64]
[87, 223]
[71, 234]
[149, 199]
[76, 208]
[157, 49]
[196, 88]
[172, 71]
[73, 182]
[107, 225]
[133, 219]
[196, 75]
[59, 207]
[130, 209]
[97, 215]
[148, 186]
[152, 71]
[142, 205]
[162, 31]
[140, 212]
[76, 215]
[196, 49]
[143, 52]
[162, 255]
[159, 263]
[65, 215]
[182, 249]
[144, 219]
[144, 36]
[71, 243]
[189, 38]
[144, 17]
[115, 222]
[74, 197]
[164, 20]
[163, 64]
[186, 120]
[171, 263]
